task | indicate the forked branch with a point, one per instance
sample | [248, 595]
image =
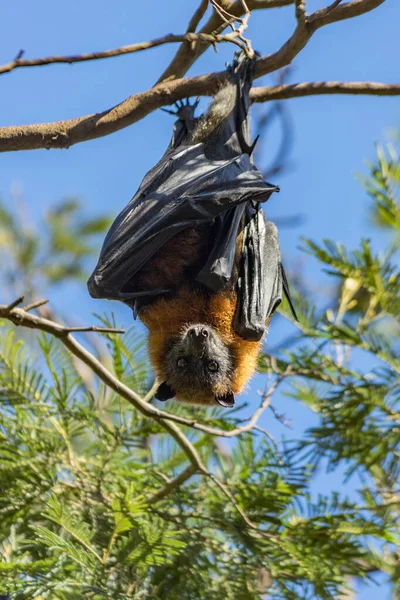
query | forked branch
[184, 59]
[63, 134]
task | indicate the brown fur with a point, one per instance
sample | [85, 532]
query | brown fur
[222, 105]
[171, 262]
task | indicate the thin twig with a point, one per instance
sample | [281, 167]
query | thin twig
[226, 17]
[272, 440]
[333, 5]
[197, 16]
[242, 513]
[198, 38]
[242, 28]
[93, 328]
[280, 417]
[194, 21]
[150, 394]
[301, 14]
[163, 476]
[265, 403]
[230, 19]
[15, 303]
[33, 305]
[323, 12]
[246, 15]
[172, 485]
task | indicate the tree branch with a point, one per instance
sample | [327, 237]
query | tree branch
[265, 403]
[300, 10]
[171, 485]
[184, 57]
[23, 318]
[14, 316]
[33, 305]
[63, 134]
[183, 60]
[299, 90]
[197, 16]
[307, 26]
[193, 38]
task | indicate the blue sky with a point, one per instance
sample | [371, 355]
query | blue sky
[333, 134]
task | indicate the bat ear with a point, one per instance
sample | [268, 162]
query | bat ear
[164, 392]
[227, 401]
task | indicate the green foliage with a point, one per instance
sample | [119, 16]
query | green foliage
[381, 185]
[37, 255]
[79, 465]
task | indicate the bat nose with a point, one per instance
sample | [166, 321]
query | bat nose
[198, 333]
[198, 336]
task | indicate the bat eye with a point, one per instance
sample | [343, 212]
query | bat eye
[181, 363]
[212, 366]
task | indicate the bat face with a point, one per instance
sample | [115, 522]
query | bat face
[198, 366]
[187, 335]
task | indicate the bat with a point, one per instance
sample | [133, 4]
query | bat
[193, 255]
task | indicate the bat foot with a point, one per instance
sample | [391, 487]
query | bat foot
[181, 103]
[184, 111]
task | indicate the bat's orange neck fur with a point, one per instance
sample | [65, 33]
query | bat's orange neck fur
[166, 318]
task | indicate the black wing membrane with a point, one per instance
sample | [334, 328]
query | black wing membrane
[260, 280]
[187, 191]
[214, 181]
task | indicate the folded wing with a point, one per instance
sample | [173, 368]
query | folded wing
[206, 176]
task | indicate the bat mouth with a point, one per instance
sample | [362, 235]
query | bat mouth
[204, 398]
[227, 401]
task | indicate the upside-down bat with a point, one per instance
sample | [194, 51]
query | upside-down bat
[193, 255]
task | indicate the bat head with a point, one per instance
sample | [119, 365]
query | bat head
[198, 368]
